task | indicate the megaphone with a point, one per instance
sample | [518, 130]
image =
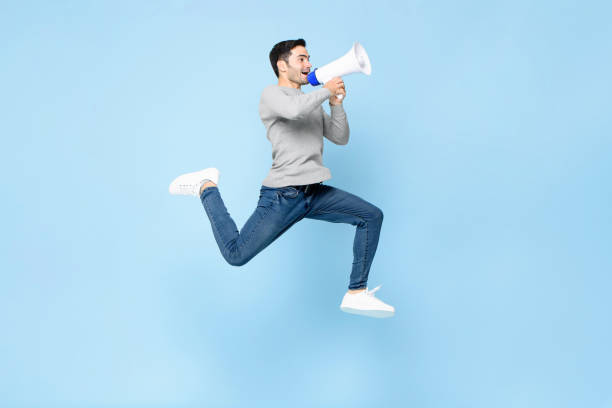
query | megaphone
[356, 60]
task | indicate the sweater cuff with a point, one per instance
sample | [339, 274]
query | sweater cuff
[336, 108]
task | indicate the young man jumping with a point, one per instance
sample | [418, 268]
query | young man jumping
[296, 124]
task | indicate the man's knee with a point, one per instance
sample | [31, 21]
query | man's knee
[237, 259]
[377, 215]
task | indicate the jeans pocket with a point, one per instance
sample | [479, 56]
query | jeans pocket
[267, 197]
[288, 192]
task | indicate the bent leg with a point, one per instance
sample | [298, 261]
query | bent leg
[263, 226]
[335, 205]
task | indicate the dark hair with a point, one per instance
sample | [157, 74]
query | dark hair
[282, 50]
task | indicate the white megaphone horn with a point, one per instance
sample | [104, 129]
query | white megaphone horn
[356, 60]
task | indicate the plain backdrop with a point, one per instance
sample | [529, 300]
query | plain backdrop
[484, 134]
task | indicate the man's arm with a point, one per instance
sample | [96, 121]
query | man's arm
[335, 127]
[275, 103]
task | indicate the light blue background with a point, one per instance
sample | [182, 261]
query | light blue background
[484, 134]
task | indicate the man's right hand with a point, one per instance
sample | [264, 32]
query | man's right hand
[334, 85]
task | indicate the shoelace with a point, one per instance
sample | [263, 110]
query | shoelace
[371, 292]
[188, 188]
[192, 188]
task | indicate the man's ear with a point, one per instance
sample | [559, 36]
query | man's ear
[281, 65]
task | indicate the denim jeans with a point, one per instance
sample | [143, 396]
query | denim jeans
[279, 208]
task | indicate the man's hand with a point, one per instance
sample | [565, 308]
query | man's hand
[336, 87]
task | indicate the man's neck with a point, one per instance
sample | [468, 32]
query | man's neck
[288, 84]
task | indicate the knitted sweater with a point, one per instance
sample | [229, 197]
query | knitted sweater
[296, 124]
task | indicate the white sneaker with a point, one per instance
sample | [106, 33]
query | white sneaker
[366, 304]
[190, 183]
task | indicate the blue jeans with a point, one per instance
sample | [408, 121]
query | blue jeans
[279, 208]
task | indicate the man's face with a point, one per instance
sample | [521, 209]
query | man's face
[299, 65]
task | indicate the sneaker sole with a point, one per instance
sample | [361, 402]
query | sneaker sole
[381, 314]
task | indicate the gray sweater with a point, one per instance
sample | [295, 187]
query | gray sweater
[296, 124]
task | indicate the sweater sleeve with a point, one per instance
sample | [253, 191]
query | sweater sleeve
[275, 103]
[335, 127]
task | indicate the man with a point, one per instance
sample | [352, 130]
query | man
[296, 124]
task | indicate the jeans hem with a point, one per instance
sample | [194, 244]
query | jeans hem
[205, 190]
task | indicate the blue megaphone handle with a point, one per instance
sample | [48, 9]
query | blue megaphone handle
[312, 78]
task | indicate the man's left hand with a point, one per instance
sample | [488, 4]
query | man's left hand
[333, 100]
